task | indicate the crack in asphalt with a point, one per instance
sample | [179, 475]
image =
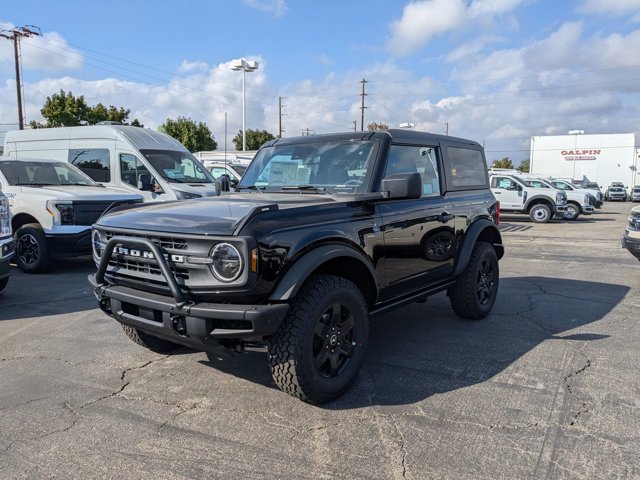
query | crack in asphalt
[567, 382]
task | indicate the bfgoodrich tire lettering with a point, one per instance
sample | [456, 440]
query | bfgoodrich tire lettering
[320, 346]
[474, 293]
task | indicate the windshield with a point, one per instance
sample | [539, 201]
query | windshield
[333, 166]
[177, 167]
[20, 172]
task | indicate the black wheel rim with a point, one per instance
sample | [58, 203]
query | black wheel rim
[27, 249]
[486, 281]
[334, 340]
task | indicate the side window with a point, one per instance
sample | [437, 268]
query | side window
[131, 168]
[503, 183]
[467, 167]
[94, 162]
[409, 159]
[218, 171]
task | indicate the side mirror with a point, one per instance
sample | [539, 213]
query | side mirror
[402, 185]
[144, 182]
[225, 183]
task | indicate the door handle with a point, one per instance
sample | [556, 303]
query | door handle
[444, 217]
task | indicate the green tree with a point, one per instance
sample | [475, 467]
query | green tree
[65, 110]
[524, 166]
[377, 126]
[255, 138]
[502, 163]
[196, 137]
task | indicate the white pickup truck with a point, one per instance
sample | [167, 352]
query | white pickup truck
[6, 241]
[53, 206]
[515, 196]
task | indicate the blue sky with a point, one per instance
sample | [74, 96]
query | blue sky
[496, 71]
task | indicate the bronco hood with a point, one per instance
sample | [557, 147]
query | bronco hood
[206, 216]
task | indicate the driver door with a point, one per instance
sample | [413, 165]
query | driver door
[508, 192]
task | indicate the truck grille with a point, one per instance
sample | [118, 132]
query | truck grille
[146, 268]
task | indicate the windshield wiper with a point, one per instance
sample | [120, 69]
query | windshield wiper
[29, 184]
[303, 188]
[249, 187]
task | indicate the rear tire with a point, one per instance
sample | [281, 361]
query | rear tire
[473, 295]
[3, 283]
[320, 346]
[32, 254]
[540, 213]
[154, 344]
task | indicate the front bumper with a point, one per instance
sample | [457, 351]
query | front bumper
[69, 245]
[561, 207]
[6, 252]
[193, 324]
[631, 243]
[176, 317]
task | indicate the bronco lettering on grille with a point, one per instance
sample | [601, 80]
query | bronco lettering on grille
[133, 252]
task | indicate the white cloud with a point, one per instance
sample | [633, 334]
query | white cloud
[423, 19]
[611, 7]
[277, 7]
[188, 67]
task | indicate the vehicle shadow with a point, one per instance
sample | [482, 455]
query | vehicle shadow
[425, 349]
[64, 289]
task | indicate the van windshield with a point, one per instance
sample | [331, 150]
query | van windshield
[35, 173]
[177, 167]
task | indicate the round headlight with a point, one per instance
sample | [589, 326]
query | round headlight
[97, 243]
[227, 262]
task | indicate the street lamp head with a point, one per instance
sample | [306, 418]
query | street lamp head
[242, 64]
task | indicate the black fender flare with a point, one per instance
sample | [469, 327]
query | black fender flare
[293, 278]
[489, 232]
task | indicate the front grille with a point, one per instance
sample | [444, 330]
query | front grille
[168, 243]
[88, 212]
[145, 268]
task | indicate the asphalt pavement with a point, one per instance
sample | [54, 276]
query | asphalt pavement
[546, 387]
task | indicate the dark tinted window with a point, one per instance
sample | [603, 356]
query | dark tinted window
[92, 161]
[467, 167]
[131, 168]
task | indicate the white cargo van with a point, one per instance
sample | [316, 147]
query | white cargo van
[139, 160]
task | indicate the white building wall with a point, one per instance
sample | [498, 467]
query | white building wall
[602, 158]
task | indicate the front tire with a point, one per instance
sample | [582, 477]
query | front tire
[32, 254]
[474, 293]
[154, 344]
[320, 346]
[540, 213]
[572, 212]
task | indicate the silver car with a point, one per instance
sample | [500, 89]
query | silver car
[635, 194]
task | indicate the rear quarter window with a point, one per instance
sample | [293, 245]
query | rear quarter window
[466, 168]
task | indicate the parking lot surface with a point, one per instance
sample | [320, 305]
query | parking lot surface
[546, 387]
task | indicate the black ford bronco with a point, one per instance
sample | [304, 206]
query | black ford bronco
[321, 234]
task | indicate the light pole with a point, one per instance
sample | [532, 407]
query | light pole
[245, 66]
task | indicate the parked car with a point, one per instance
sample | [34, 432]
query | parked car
[53, 206]
[6, 241]
[586, 187]
[631, 236]
[515, 196]
[233, 172]
[322, 233]
[635, 194]
[616, 193]
[579, 202]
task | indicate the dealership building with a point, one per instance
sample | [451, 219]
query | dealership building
[601, 158]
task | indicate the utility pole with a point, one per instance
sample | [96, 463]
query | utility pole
[362, 107]
[280, 115]
[355, 125]
[447, 130]
[14, 35]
